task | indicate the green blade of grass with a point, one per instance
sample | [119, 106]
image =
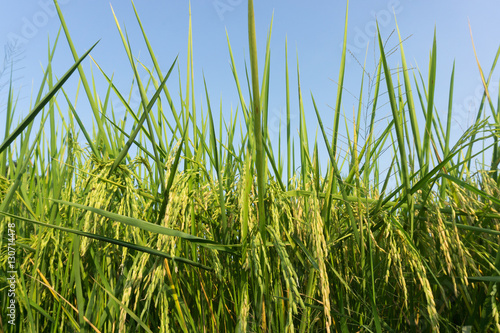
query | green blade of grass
[111, 241]
[495, 279]
[340, 85]
[80, 301]
[399, 135]
[148, 226]
[86, 86]
[260, 161]
[430, 105]
[410, 103]
[213, 142]
[40, 105]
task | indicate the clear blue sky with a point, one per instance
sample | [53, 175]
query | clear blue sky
[314, 30]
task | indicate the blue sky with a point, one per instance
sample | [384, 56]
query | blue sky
[314, 31]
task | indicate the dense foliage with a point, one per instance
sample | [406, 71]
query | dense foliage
[192, 232]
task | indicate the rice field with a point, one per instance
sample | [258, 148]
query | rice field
[200, 224]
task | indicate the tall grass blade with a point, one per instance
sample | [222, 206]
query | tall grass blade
[111, 241]
[148, 226]
[41, 104]
[399, 135]
[257, 119]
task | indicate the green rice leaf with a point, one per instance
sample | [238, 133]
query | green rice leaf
[148, 226]
[111, 241]
[40, 105]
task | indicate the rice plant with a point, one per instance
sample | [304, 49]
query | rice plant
[156, 225]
